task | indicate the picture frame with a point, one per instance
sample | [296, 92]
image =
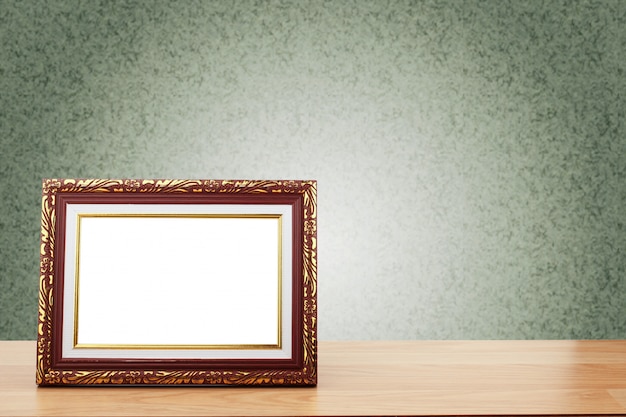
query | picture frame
[178, 282]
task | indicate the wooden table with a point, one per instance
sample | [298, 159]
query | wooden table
[365, 378]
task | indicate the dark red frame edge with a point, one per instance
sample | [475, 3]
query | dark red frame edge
[295, 199]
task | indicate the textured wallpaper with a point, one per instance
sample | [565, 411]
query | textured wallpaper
[471, 155]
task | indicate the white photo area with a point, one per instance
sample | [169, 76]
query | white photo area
[177, 281]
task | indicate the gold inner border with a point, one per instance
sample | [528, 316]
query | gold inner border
[276, 346]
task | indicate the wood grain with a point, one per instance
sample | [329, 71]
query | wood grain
[365, 378]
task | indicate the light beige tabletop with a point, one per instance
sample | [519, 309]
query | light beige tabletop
[364, 378]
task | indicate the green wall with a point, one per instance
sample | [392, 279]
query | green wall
[471, 155]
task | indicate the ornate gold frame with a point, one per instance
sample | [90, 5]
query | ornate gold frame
[297, 367]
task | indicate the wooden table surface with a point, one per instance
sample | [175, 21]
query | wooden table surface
[365, 378]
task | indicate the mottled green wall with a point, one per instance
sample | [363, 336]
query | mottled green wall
[471, 155]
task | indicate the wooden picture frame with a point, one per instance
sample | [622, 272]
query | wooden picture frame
[178, 282]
